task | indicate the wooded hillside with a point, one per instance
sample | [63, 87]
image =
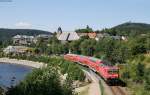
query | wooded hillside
[6, 34]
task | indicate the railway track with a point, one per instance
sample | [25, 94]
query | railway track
[117, 90]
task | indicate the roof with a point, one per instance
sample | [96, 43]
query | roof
[68, 36]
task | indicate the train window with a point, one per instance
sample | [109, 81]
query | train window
[93, 59]
[82, 56]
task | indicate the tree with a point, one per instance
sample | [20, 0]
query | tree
[138, 45]
[87, 47]
[85, 30]
[53, 40]
[44, 81]
[74, 47]
[41, 45]
[36, 51]
[140, 71]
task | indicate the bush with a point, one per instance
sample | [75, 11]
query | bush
[147, 79]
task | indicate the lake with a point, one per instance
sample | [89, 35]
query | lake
[12, 74]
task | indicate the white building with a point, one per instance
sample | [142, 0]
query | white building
[15, 49]
[23, 40]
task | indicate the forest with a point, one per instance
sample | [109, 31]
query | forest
[7, 34]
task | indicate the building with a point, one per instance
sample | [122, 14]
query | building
[82, 34]
[92, 35]
[45, 37]
[119, 38]
[28, 40]
[22, 40]
[71, 36]
[68, 36]
[15, 49]
[124, 38]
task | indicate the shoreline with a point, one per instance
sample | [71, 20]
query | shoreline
[22, 62]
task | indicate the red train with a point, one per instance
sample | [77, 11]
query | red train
[104, 68]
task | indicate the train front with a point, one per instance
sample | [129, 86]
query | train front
[109, 72]
[112, 73]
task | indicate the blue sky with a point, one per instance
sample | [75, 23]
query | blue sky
[72, 14]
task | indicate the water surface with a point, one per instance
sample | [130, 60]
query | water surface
[12, 74]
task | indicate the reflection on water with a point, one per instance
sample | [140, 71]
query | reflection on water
[12, 74]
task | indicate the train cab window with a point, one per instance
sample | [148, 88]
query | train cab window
[105, 63]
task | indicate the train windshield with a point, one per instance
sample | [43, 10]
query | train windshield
[113, 71]
[106, 63]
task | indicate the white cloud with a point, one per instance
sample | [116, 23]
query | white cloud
[23, 25]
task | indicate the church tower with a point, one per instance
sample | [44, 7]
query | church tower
[59, 31]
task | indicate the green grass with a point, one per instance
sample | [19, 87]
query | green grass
[101, 88]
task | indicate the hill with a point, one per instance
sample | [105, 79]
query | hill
[6, 34]
[130, 29]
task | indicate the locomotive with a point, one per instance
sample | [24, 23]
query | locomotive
[107, 71]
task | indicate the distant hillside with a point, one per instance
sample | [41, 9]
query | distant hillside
[131, 29]
[6, 34]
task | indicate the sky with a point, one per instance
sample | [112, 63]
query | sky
[71, 14]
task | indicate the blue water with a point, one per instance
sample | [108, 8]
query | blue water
[12, 74]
